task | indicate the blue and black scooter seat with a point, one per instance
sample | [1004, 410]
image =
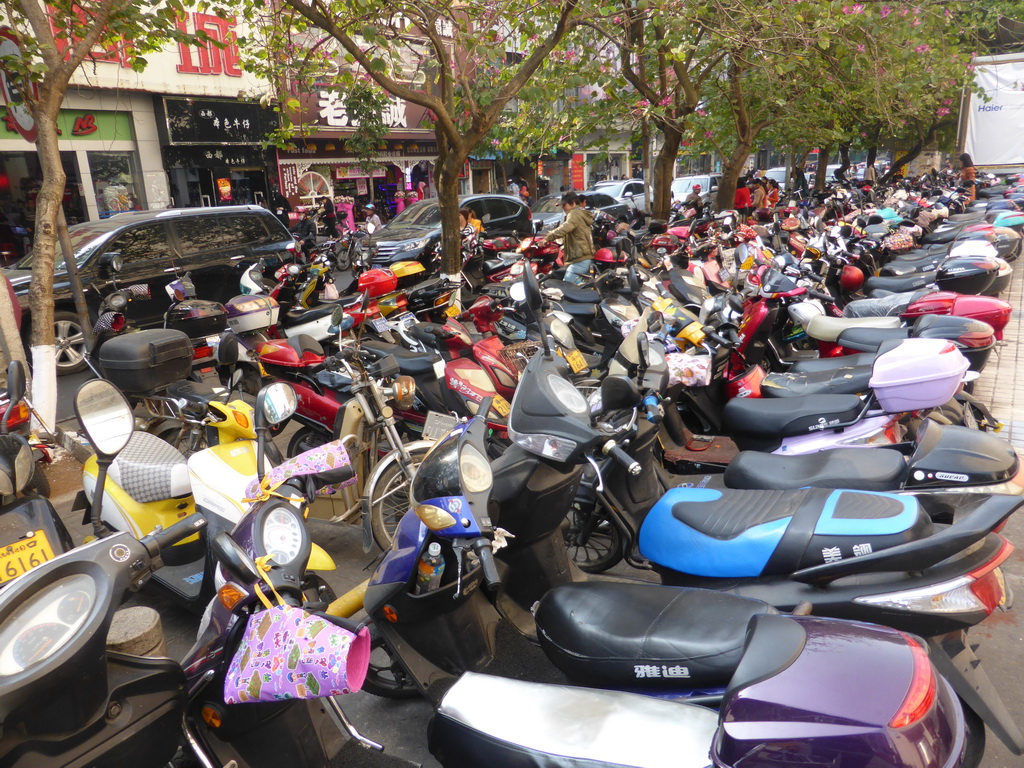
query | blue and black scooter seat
[411, 363]
[900, 284]
[835, 381]
[751, 534]
[643, 636]
[760, 423]
[877, 469]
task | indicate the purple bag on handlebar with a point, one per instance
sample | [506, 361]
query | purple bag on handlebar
[289, 653]
[320, 459]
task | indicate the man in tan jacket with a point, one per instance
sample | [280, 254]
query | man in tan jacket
[578, 240]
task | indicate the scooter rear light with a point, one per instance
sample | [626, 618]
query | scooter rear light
[921, 694]
[953, 596]
[118, 322]
[989, 586]
[19, 415]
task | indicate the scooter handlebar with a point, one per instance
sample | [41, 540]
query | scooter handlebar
[822, 296]
[482, 548]
[161, 540]
[612, 449]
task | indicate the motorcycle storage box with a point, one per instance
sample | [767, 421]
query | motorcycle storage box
[408, 273]
[147, 361]
[197, 318]
[252, 313]
[917, 374]
[967, 275]
[379, 282]
[974, 338]
[995, 312]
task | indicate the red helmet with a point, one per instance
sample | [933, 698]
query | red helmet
[605, 256]
[851, 279]
[791, 224]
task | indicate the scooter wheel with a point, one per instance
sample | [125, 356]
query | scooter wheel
[386, 497]
[386, 677]
[306, 439]
[975, 748]
[593, 541]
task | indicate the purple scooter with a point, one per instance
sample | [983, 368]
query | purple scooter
[808, 692]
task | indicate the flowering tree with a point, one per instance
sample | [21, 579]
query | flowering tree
[462, 61]
[55, 38]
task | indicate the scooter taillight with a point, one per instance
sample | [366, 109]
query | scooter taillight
[921, 694]
[988, 585]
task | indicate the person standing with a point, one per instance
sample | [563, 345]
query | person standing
[968, 175]
[372, 219]
[578, 243]
[742, 201]
[870, 174]
[513, 188]
[774, 192]
[760, 194]
[330, 217]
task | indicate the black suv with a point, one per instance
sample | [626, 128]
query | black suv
[414, 234]
[213, 244]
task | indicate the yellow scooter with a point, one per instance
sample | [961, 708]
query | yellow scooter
[150, 483]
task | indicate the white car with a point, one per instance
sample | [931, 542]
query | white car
[628, 191]
[682, 185]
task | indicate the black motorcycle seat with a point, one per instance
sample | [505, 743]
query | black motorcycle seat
[760, 423]
[817, 364]
[574, 293]
[966, 218]
[633, 636]
[151, 469]
[946, 236]
[411, 363]
[874, 469]
[900, 284]
[836, 381]
[578, 310]
[869, 339]
[496, 265]
[196, 392]
[299, 315]
[756, 533]
[914, 267]
[302, 343]
[488, 720]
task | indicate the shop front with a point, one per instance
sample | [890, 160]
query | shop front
[212, 151]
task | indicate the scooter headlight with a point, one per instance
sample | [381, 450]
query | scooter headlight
[475, 471]
[561, 333]
[567, 395]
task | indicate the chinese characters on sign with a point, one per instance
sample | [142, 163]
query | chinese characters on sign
[210, 58]
[653, 670]
[332, 112]
[203, 121]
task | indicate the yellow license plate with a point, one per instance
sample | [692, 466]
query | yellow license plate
[23, 555]
[452, 311]
[500, 404]
[576, 361]
[748, 263]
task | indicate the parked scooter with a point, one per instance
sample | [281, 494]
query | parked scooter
[69, 701]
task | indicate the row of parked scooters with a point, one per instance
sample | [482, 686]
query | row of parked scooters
[806, 612]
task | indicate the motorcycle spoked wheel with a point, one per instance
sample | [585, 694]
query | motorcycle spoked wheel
[593, 542]
[386, 496]
[386, 677]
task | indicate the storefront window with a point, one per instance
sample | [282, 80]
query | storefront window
[116, 181]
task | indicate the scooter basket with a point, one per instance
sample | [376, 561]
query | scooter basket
[518, 355]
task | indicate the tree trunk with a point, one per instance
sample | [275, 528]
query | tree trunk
[899, 162]
[821, 171]
[664, 170]
[44, 248]
[732, 167]
[872, 155]
[449, 165]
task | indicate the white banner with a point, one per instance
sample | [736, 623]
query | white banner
[994, 135]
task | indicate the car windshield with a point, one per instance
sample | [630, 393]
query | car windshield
[549, 204]
[425, 213]
[85, 239]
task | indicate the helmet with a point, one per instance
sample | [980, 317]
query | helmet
[369, 207]
[696, 187]
[851, 278]
[604, 255]
[791, 223]
[764, 215]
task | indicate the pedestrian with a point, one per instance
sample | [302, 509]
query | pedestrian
[513, 188]
[759, 198]
[466, 228]
[330, 216]
[870, 174]
[372, 219]
[474, 220]
[524, 194]
[305, 230]
[578, 243]
[968, 175]
[774, 192]
[694, 200]
[742, 201]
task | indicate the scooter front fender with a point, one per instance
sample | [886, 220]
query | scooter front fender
[319, 560]
[955, 661]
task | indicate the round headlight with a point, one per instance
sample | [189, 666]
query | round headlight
[567, 394]
[117, 301]
[405, 392]
[475, 471]
[23, 467]
[561, 332]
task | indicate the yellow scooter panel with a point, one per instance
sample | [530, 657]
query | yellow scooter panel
[319, 560]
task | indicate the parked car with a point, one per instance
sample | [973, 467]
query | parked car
[682, 185]
[213, 244]
[547, 212]
[779, 174]
[415, 233]
[628, 191]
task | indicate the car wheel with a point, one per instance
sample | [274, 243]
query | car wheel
[69, 340]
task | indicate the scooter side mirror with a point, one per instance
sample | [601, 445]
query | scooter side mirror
[227, 350]
[234, 559]
[275, 403]
[338, 316]
[634, 282]
[618, 392]
[109, 263]
[15, 389]
[105, 416]
[643, 351]
[531, 288]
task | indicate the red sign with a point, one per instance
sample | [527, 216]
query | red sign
[210, 58]
[578, 176]
[84, 125]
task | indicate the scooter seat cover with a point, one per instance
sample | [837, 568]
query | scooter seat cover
[876, 469]
[573, 292]
[900, 284]
[761, 423]
[578, 310]
[495, 721]
[644, 637]
[751, 533]
[838, 381]
[870, 339]
[824, 328]
[946, 236]
[817, 364]
[893, 305]
[299, 316]
[150, 469]
[411, 363]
